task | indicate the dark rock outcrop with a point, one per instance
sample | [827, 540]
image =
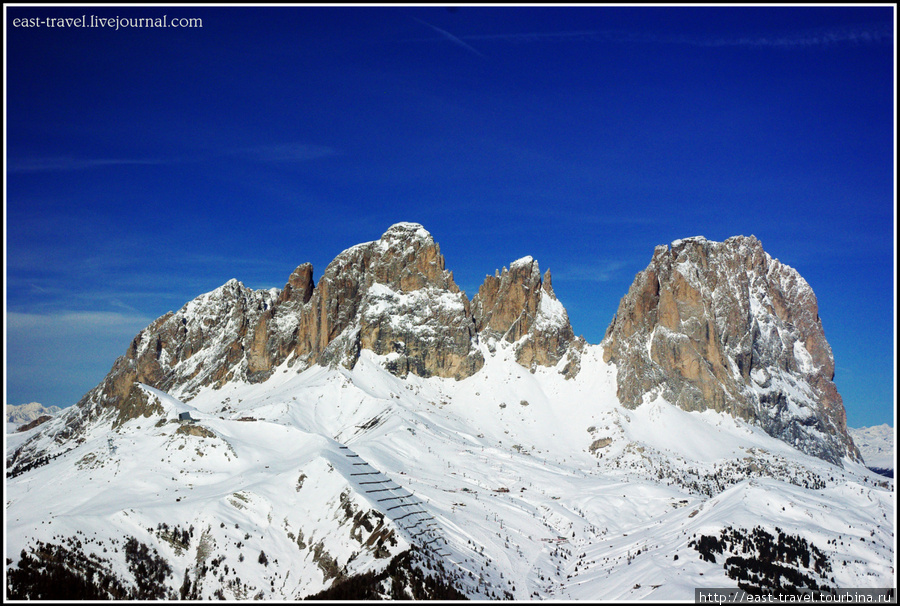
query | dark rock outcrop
[32, 424]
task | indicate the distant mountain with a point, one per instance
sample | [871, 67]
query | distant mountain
[876, 445]
[379, 434]
[26, 413]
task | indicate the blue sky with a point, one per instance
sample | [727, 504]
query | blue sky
[146, 166]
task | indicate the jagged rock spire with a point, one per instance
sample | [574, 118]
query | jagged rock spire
[517, 306]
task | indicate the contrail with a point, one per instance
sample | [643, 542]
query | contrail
[873, 34]
[823, 37]
[450, 37]
[589, 35]
[68, 163]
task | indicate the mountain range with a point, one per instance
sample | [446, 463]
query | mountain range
[379, 434]
[22, 414]
[876, 445]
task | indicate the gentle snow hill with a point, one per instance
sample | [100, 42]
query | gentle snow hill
[514, 484]
[876, 444]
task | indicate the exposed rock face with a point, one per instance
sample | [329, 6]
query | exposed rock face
[279, 327]
[32, 424]
[208, 342]
[204, 343]
[507, 303]
[395, 298]
[392, 296]
[722, 325]
[519, 307]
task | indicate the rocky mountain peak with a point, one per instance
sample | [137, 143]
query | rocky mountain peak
[547, 284]
[506, 303]
[407, 258]
[392, 296]
[517, 306]
[405, 234]
[722, 325]
[300, 286]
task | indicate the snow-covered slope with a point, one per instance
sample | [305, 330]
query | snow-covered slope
[876, 444]
[511, 483]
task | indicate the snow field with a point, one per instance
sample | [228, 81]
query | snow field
[510, 498]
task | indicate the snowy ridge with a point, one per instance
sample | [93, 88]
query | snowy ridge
[526, 260]
[551, 314]
[680, 241]
[404, 234]
[211, 324]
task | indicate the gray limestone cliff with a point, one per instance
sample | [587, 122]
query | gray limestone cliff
[723, 326]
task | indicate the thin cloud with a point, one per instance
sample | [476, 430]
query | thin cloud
[68, 163]
[55, 358]
[602, 271]
[868, 34]
[128, 308]
[524, 37]
[447, 35]
[286, 152]
[280, 152]
[76, 322]
[846, 35]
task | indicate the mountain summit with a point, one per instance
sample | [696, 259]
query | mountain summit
[518, 306]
